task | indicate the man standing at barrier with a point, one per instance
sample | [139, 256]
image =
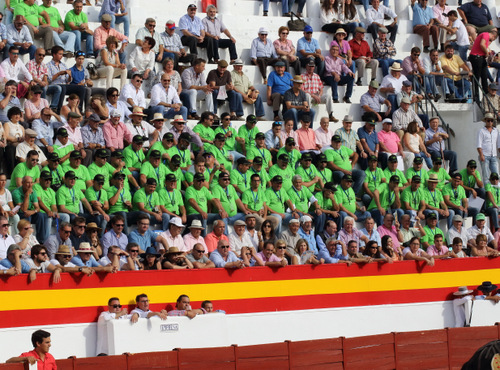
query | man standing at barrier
[40, 354]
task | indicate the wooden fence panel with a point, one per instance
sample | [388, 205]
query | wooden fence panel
[316, 354]
[374, 351]
[422, 350]
[463, 342]
[263, 356]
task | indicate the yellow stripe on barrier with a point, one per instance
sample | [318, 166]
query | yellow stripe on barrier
[67, 298]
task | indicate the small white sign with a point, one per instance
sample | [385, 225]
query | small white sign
[169, 328]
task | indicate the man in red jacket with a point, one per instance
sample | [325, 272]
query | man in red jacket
[362, 55]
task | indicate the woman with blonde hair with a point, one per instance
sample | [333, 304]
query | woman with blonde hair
[304, 256]
[108, 63]
[25, 238]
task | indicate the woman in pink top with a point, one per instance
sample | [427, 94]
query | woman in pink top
[345, 52]
[285, 49]
[289, 132]
[480, 50]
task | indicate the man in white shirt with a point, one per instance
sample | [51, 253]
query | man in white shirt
[375, 18]
[114, 312]
[393, 83]
[487, 139]
[165, 100]
[132, 94]
[137, 126]
[456, 27]
[142, 310]
[5, 239]
[195, 88]
[17, 71]
[480, 228]
[324, 133]
[239, 238]
[434, 75]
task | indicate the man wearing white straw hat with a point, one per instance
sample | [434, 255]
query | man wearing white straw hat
[138, 126]
[462, 298]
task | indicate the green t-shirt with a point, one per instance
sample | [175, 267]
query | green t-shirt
[22, 170]
[70, 198]
[326, 175]
[434, 198]
[469, 180]
[124, 196]
[13, 3]
[264, 176]
[205, 132]
[156, 146]
[276, 200]
[172, 201]
[221, 155]
[157, 173]
[63, 150]
[101, 196]
[18, 198]
[248, 135]
[374, 178]
[456, 195]
[300, 198]
[201, 197]
[77, 20]
[53, 13]
[442, 175]
[422, 173]
[241, 180]
[106, 170]
[293, 157]
[287, 174]
[412, 197]
[307, 175]
[254, 199]
[57, 175]
[386, 197]
[340, 157]
[324, 203]
[495, 191]
[179, 175]
[81, 172]
[260, 152]
[189, 177]
[230, 140]
[227, 198]
[347, 198]
[430, 233]
[30, 12]
[184, 154]
[132, 158]
[151, 201]
[47, 196]
[402, 178]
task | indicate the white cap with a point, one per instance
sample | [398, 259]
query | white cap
[263, 30]
[305, 218]
[176, 221]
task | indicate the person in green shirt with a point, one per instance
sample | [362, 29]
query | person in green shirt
[118, 166]
[246, 134]
[163, 146]
[493, 200]
[417, 169]
[55, 170]
[430, 229]
[229, 199]
[182, 149]
[346, 199]
[413, 198]
[324, 173]
[328, 203]
[392, 170]
[254, 200]
[197, 199]
[29, 168]
[231, 136]
[341, 161]
[146, 200]
[221, 154]
[100, 166]
[278, 202]
[68, 198]
[374, 178]
[260, 150]
[284, 170]
[256, 167]
[174, 167]
[309, 173]
[386, 199]
[212, 167]
[434, 201]
[471, 180]
[442, 174]
[171, 200]
[456, 199]
[204, 130]
[82, 173]
[199, 167]
[292, 153]
[301, 198]
[47, 201]
[133, 156]
[153, 169]
[62, 146]
[240, 177]
[98, 198]
[33, 16]
[120, 200]
[57, 25]
[76, 21]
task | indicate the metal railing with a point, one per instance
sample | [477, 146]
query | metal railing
[484, 104]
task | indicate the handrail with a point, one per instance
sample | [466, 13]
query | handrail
[480, 102]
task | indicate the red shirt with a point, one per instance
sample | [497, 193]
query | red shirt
[476, 47]
[48, 364]
[360, 49]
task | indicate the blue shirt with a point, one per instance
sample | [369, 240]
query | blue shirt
[44, 131]
[309, 238]
[307, 46]
[144, 241]
[371, 138]
[375, 237]
[110, 238]
[90, 263]
[24, 266]
[111, 7]
[3, 31]
[77, 75]
[14, 36]
[279, 84]
[194, 26]
[319, 241]
[261, 50]
[272, 141]
[478, 16]
[14, 102]
[217, 259]
[329, 259]
[422, 16]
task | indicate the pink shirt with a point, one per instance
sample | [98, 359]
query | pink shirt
[114, 135]
[433, 251]
[285, 136]
[389, 139]
[307, 139]
[101, 34]
[74, 136]
[273, 258]
[382, 230]
[476, 48]
[324, 138]
[190, 241]
[211, 241]
[174, 242]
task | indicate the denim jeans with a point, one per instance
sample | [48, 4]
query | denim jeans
[361, 216]
[56, 91]
[449, 219]
[88, 38]
[31, 51]
[458, 88]
[462, 50]
[236, 105]
[66, 40]
[379, 219]
[344, 80]
[432, 82]
[489, 166]
[191, 96]
[366, 2]
[296, 115]
[284, 5]
[386, 63]
[449, 155]
[492, 212]
[121, 19]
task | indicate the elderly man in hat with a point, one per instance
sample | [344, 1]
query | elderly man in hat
[165, 100]
[245, 91]
[478, 229]
[348, 136]
[392, 83]
[92, 137]
[220, 82]
[279, 82]
[384, 51]
[138, 126]
[295, 103]
[456, 72]
[45, 127]
[179, 126]
[84, 258]
[172, 46]
[362, 55]
[62, 259]
[107, 29]
[435, 138]
[193, 239]
[487, 138]
[337, 73]
[487, 288]
[115, 132]
[214, 28]
[263, 53]
[462, 298]
[173, 234]
[491, 101]
[390, 144]
[402, 118]
[28, 145]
